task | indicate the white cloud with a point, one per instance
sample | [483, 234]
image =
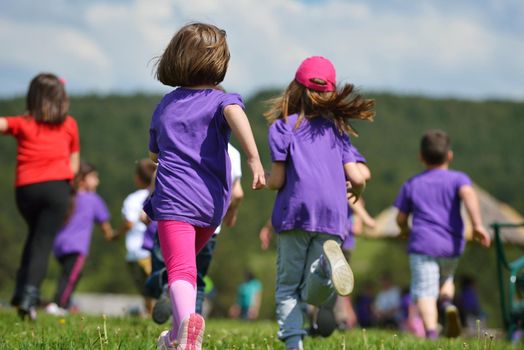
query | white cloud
[423, 47]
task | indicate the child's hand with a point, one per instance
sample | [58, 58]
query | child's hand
[481, 236]
[265, 237]
[353, 193]
[259, 178]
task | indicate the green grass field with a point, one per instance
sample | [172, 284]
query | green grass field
[87, 332]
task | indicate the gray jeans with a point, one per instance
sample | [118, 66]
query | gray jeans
[300, 279]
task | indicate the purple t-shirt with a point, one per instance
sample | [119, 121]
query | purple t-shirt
[190, 135]
[149, 235]
[313, 197]
[349, 240]
[75, 236]
[432, 197]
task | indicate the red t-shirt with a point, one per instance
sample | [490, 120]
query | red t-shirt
[43, 149]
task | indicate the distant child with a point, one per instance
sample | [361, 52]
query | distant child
[310, 150]
[468, 303]
[71, 245]
[48, 155]
[138, 259]
[436, 238]
[189, 134]
[249, 297]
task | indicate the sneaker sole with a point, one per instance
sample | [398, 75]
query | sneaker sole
[163, 343]
[341, 274]
[191, 333]
[453, 326]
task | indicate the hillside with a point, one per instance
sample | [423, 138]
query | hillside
[486, 138]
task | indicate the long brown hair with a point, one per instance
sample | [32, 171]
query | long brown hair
[340, 106]
[198, 54]
[47, 100]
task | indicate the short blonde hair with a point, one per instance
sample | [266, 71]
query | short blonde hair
[198, 54]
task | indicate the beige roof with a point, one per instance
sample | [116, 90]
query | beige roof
[491, 209]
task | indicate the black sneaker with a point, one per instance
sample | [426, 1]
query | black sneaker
[452, 327]
[326, 322]
[162, 309]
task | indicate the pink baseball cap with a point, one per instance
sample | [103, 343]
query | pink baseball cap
[320, 68]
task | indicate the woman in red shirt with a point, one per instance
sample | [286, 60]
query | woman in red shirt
[47, 159]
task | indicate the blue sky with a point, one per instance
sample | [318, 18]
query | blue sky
[464, 49]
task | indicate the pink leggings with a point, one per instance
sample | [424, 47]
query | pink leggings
[180, 242]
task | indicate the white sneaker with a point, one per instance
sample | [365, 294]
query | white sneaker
[164, 343]
[338, 268]
[191, 333]
[54, 309]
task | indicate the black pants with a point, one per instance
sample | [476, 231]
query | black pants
[72, 266]
[203, 260]
[44, 207]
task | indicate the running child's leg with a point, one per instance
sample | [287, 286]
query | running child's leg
[177, 242]
[425, 290]
[292, 247]
[452, 325]
[318, 285]
[72, 265]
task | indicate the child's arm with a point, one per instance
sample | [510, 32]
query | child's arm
[277, 176]
[360, 211]
[107, 230]
[74, 162]
[123, 228]
[153, 157]
[265, 235]
[237, 194]
[353, 175]
[3, 125]
[239, 124]
[402, 222]
[469, 197]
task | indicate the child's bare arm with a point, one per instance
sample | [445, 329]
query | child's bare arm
[74, 162]
[469, 197]
[3, 125]
[364, 171]
[107, 230]
[237, 194]
[153, 156]
[357, 181]
[402, 222]
[265, 235]
[239, 124]
[123, 228]
[360, 211]
[277, 176]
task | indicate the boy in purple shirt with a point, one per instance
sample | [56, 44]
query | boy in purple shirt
[436, 238]
[71, 245]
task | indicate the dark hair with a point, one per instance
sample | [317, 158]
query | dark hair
[434, 147]
[145, 169]
[340, 106]
[83, 170]
[196, 55]
[47, 100]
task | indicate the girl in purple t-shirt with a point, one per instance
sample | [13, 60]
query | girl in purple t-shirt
[189, 134]
[312, 161]
[71, 244]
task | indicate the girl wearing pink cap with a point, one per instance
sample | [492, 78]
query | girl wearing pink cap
[312, 161]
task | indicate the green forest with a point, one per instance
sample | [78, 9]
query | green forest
[486, 139]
